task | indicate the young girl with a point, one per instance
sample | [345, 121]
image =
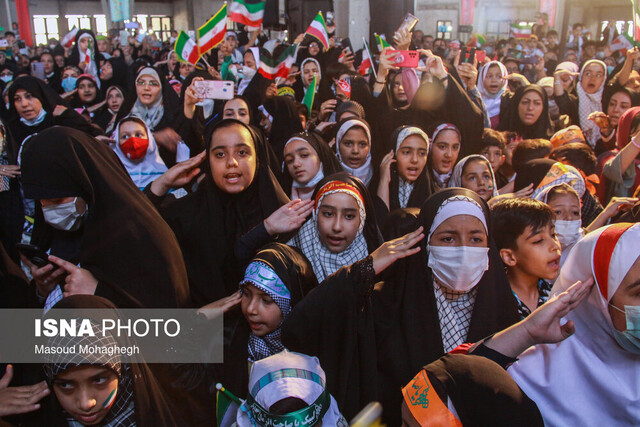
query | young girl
[307, 159]
[289, 389]
[277, 278]
[87, 95]
[138, 151]
[102, 389]
[353, 148]
[85, 55]
[443, 154]
[565, 203]
[492, 84]
[405, 183]
[475, 173]
[342, 229]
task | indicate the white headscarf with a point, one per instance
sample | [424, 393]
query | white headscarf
[456, 175]
[91, 67]
[153, 113]
[588, 103]
[364, 172]
[588, 379]
[323, 261]
[492, 101]
[147, 169]
[315, 61]
[405, 188]
[295, 185]
[288, 374]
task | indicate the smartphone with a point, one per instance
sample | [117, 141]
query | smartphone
[467, 55]
[530, 60]
[408, 23]
[37, 70]
[330, 19]
[514, 53]
[346, 43]
[214, 89]
[34, 254]
[406, 58]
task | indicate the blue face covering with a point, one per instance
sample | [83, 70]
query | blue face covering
[629, 339]
[610, 69]
[6, 78]
[69, 83]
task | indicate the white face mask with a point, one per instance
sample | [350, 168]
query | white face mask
[458, 267]
[64, 216]
[248, 72]
[568, 232]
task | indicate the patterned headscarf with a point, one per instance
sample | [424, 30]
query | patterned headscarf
[324, 261]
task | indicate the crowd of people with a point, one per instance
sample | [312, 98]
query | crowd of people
[456, 241]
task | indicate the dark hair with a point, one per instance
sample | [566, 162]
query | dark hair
[560, 190]
[552, 33]
[511, 217]
[529, 149]
[474, 160]
[577, 154]
[287, 405]
[335, 70]
[494, 138]
[302, 109]
[9, 33]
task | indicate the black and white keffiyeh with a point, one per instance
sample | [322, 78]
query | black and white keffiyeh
[323, 261]
[454, 312]
[264, 278]
[122, 412]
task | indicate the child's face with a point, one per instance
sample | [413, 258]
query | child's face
[302, 161]
[411, 158]
[232, 159]
[494, 155]
[477, 177]
[114, 100]
[566, 207]
[493, 80]
[87, 91]
[260, 310]
[538, 252]
[338, 221]
[82, 391]
[129, 129]
[444, 151]
[354, 148]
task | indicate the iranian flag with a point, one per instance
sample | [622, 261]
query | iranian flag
[367, 63]
[636, 21]
[520, 31]
[212, 33]
[186, 49]
[310, 95]
[381, 42]
[69, 38]
[247, 12]
[271, 68]
[621, 43]
[318, 29]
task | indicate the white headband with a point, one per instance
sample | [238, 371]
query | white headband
[457, 205]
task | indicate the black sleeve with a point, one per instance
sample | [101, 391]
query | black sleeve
[250, 242]
[461, 110]
[568, 105]
[70, 118]
[160, 202]
[480, 349]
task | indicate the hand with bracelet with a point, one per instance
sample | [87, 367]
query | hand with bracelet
[386, 64]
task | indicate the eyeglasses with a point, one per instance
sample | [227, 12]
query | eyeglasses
[596, 75]
[151, 83]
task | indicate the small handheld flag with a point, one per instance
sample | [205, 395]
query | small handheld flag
[212, 32]
[311, 94]
[247, 12]
[186, 49]
[318, 29]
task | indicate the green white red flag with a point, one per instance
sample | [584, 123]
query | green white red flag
[318, 29]
[271, 68]
[247, 12]
[212, 32]
[186, 49]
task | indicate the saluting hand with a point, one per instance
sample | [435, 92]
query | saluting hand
[393, 250]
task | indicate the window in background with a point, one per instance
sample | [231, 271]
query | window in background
[444, 30]
[45, 27]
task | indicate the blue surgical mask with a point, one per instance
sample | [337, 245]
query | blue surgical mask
[69, 83]
[600, 55]
[7, 78]
[610, 69]
[629, 339]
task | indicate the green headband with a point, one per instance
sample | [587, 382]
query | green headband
[308, 417]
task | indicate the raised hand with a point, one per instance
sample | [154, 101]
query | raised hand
[178, 175]
[393, 250]
[223, 305]
[20, 400]
[288, 217]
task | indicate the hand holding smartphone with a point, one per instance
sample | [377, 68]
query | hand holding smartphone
[405, 58]
[214, 89]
